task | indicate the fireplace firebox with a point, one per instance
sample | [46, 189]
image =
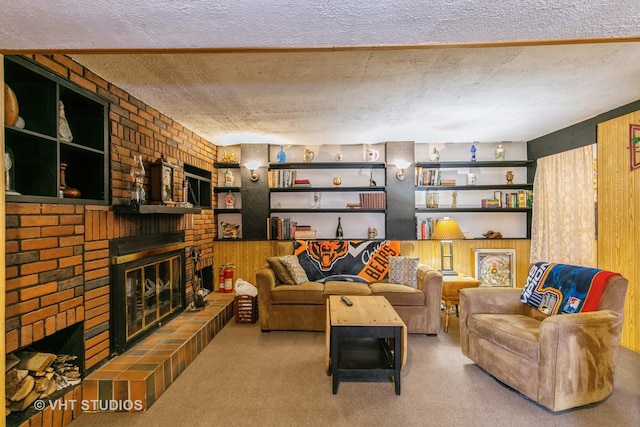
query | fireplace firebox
[148, 285]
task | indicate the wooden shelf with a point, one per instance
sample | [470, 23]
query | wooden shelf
[324, 189]
[328, 165]
[155, 209]
[484, 164]
[484, 210]
[475, 187]
[326, 210]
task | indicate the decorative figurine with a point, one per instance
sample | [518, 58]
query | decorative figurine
[281, 156]
[64, 131]
[66, 191]
[500, 152]
[337, 181]
[338, 157]
[473, 152]
[230, 231]
[316, 201]
[435, 155]
[509, 177]
[372, 183]
[228, 157]
[454, 201]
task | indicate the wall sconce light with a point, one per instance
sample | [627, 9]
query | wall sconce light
[402, 165]
[253, 166]
[447, 230]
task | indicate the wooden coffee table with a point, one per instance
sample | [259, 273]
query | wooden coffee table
[364, 342]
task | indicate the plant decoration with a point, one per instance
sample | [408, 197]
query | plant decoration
[634, 146]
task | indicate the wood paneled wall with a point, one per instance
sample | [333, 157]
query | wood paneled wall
[618, 213]
[249, 256]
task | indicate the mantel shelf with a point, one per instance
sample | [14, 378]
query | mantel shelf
[155, 209]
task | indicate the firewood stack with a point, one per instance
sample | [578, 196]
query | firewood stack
[35, 375]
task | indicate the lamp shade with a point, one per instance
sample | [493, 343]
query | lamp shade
[447, 229]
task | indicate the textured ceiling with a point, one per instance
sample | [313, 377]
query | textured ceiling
[451, 88]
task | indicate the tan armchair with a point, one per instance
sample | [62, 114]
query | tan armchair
[561, 361]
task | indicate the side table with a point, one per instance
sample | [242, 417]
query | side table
[451, 285]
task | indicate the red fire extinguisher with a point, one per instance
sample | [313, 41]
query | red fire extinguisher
[225, 278]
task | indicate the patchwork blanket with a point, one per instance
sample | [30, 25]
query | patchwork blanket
[561, 288]
[347, 260]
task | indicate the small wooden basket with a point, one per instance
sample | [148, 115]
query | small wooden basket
[246, 309]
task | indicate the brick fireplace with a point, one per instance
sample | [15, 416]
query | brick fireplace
[148, 286]
[57, 254]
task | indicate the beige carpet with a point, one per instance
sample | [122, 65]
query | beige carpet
[249, 378]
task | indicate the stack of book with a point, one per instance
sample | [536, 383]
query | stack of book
[304, 232]
[490, 203]
[302, 182]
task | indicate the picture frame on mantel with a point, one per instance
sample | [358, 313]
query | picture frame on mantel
[495, 267]
[634, 146]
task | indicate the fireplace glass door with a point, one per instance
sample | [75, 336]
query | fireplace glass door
[153, 291]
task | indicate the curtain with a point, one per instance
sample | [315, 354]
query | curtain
[564, 221]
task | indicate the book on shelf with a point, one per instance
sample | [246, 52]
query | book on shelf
[373, 200]
[280, 228]
[425, 228]
[429, 177]
[517, 200]
[281, 178]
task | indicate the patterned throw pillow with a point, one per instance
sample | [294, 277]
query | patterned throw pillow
[403, 270]
[280, 270]
[295, 269]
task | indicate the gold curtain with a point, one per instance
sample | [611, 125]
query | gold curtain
[563, 222]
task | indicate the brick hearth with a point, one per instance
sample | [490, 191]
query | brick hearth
[146, 370]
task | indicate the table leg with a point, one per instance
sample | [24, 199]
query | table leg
[397, 363]
[446, 317]
[334, 360]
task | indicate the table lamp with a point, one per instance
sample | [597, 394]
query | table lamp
[447, 230]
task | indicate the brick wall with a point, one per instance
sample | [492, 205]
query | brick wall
[57, 270]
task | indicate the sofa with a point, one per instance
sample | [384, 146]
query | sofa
[285, 305]
[555, 341]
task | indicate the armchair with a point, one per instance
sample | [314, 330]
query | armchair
[559, 361]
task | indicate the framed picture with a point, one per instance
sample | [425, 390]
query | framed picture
[634, 146]
[495, 267]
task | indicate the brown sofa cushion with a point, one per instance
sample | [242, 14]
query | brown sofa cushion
[294, 268]
[304, 293]
[398, 294]
[346, 288]
[516, 332]
[281, 272]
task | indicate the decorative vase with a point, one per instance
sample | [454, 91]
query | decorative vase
[337, 181]
[67, 192]
[308, 155]
[10, 107]
[281, 156]
[228, 178]
[500, 152]
[509, 177]
[435, 155]
[137, 195]
[229, 201]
